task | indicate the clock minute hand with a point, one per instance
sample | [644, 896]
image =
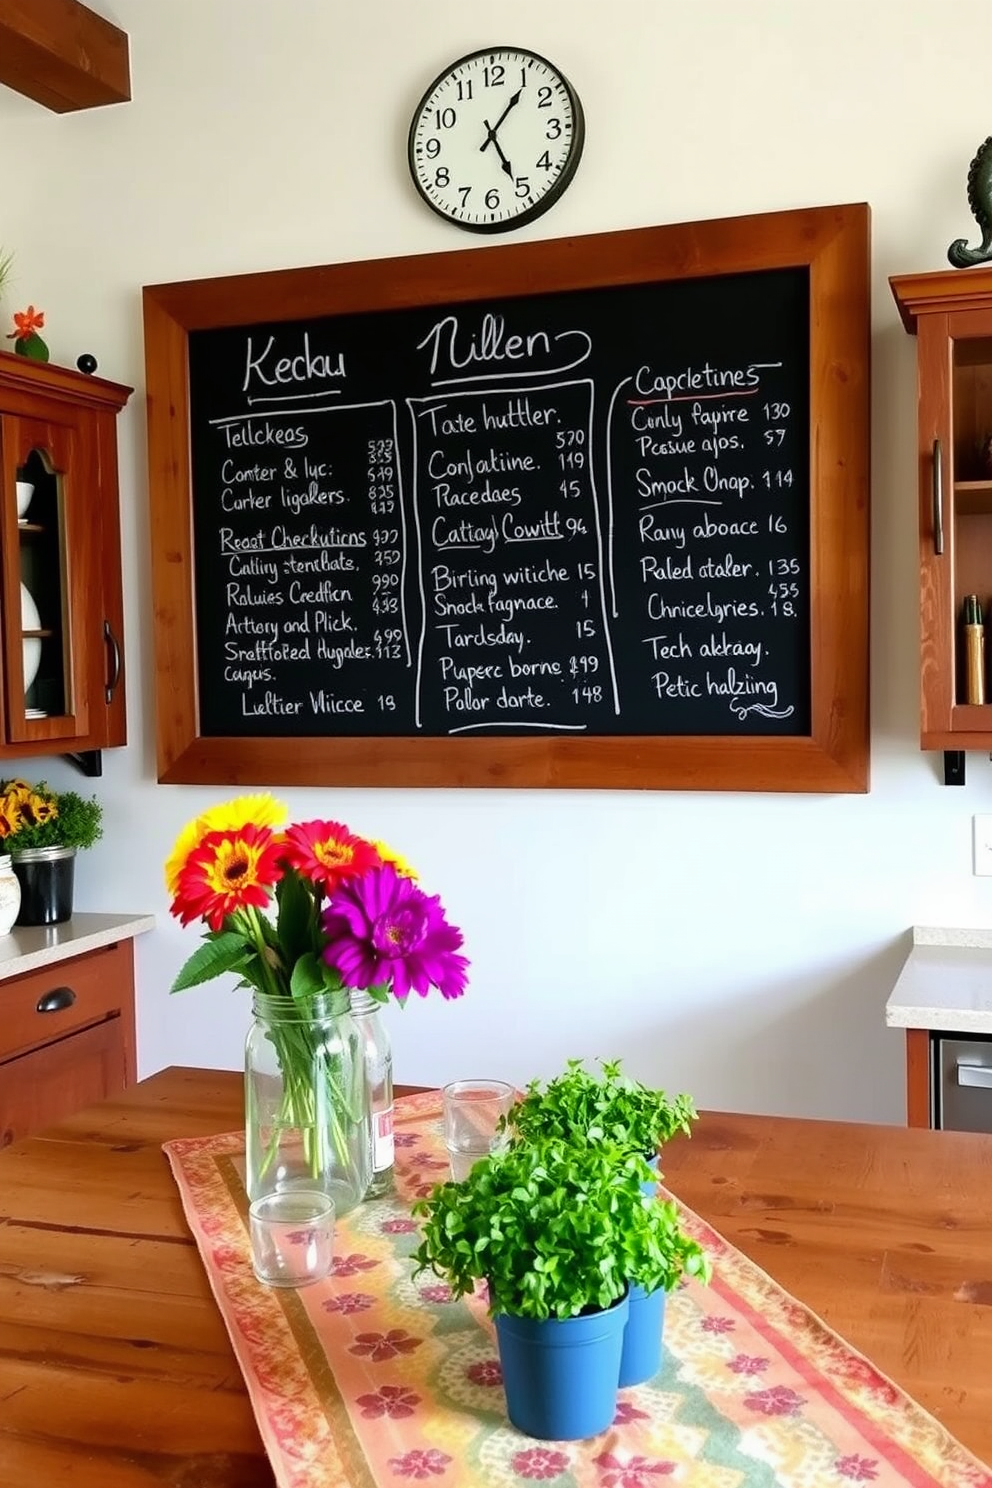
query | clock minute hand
[490, 138]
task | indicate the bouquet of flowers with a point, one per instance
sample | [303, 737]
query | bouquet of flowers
[348, 915]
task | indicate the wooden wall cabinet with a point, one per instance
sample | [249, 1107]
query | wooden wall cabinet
[61, 602]
[67, 1038]
[950, 312]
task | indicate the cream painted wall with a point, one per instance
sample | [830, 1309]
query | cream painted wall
[741, 947]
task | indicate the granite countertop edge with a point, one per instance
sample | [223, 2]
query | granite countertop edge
[33, 947]
[946, 982]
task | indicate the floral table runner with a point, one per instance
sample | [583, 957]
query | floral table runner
[372, 1378]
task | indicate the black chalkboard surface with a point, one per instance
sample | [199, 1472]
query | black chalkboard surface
[547, 518]
[583, 512]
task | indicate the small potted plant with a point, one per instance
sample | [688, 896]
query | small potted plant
[42, 830]
[581, 1107]
[558, 1232]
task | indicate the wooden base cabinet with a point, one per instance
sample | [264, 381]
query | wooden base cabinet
[67, 1038]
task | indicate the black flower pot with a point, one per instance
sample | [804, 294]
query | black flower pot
[46, 878]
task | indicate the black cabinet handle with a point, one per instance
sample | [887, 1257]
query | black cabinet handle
[57, 1000]
[115, 661]
[937, 479]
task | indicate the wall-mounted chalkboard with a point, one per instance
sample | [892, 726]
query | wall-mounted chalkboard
[581, 513]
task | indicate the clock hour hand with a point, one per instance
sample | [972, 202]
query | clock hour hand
[491, 139]
[491, 133]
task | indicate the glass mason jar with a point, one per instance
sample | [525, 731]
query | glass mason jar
[378, 1055]
[306, 1099]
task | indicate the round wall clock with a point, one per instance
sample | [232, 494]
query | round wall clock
[496, 139]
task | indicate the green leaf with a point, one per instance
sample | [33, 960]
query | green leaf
[307, 979]
[295, 916]
[228, 951]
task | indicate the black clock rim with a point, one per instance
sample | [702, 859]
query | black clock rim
[568, 170]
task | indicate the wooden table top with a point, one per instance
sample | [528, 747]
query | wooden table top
[115, 1367]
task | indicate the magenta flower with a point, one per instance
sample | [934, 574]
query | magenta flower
[539, 1462]
[395, 1401]
[349, 1302]
[382, 928]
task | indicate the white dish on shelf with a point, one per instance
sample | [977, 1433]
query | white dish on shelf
[30, 620]
[25, 490]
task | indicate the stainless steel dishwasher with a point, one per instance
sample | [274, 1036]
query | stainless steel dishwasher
[963, 1084]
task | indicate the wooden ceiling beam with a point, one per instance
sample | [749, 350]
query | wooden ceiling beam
[63, 55]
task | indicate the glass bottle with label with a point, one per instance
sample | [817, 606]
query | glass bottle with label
[379, 1079]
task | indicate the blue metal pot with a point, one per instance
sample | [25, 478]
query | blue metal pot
[560, 1375]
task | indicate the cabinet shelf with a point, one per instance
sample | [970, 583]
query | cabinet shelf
[973, 497]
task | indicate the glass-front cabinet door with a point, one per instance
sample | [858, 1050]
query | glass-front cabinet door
[48, 554]
[61, 600]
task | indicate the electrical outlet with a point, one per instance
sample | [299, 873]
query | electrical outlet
[982, 845]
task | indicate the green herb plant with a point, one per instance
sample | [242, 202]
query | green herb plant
[579, 1106]
[36, 816]
[555, 1229]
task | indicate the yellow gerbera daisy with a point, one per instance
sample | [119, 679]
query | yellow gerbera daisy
[261, 811]
[398, 862]
[190, 837]
[230, 816]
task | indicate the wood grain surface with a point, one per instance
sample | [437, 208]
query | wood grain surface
[115, 1368]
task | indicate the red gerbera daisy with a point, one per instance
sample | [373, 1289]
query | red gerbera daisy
[226, 872]
[327, 853]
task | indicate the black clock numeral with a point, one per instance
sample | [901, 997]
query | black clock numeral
[492, 200]
[442, 177]
[444, 118]
[464, 192]
[521, 186]
[494, 76]
[432, 149]
[544, 97]
[553, 130]
[544, 163]
[464, 90]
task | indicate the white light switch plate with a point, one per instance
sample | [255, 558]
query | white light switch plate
[982, 845]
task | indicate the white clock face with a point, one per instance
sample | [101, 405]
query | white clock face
[495, 139]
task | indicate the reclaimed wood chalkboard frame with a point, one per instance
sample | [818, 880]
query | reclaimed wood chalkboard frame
[831, 242]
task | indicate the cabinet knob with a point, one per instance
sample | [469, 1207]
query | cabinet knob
[56, 1001]
[938, 500]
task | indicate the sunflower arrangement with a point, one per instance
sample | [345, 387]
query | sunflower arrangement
[34, 816]
[348, 915]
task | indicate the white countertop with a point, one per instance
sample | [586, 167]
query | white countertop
[946, 982]
[31, 947]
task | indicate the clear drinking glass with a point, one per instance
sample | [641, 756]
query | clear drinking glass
[472, 1112]
[292, 1237]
